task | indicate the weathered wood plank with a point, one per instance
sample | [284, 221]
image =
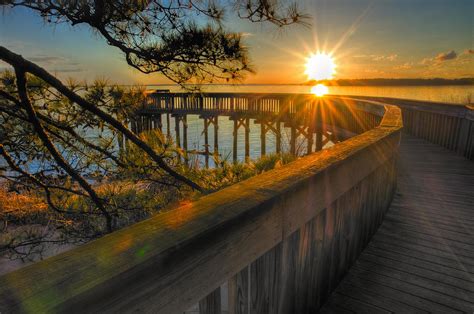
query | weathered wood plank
[373, 297]
[239, 293]
[265, 282]
[212, 303]
[423, 254]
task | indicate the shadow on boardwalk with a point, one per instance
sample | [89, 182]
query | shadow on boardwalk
[422, 257]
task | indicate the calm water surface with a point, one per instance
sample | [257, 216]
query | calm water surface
[447, 94]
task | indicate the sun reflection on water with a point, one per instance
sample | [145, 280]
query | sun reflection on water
[319, 90]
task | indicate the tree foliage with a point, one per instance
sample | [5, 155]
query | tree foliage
[185, 40]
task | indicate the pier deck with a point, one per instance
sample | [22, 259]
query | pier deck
[422, 257]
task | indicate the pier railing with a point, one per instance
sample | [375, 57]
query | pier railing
[280, 241]
[447, 125]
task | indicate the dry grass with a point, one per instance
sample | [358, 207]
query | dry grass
[20, 205]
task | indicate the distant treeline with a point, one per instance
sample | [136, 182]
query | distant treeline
[395, 82]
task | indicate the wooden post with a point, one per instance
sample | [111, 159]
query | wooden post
[247, 139]
[201, 102]
[185, 132]
[160, 123]
[319, 138]
[235, 134]
[278, 138]
[293, 141]
[137, 124]
[206, 141]
[263, 131]
[176, 128]
[216, 136]
[319, 127]
[309, 137]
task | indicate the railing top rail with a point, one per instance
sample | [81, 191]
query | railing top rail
[470, 112]
[173, 259]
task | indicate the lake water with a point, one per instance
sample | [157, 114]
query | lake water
[446, 94]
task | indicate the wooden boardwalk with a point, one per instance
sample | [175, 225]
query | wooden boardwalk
[422, 257]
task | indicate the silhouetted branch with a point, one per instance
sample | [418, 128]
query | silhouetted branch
[170, 37]
[18, 61]
[25, 102]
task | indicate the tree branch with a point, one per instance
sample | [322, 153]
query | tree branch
[21, 85]
[18, 61]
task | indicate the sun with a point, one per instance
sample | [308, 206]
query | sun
[319, 90]
[320, 66]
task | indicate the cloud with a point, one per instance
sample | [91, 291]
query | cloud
[56, 64]
[445, 56]
[48, 59]
[373, 71]
[392, 57]
[440, 58]
[374, 57]
[72, 70]
[404, 66]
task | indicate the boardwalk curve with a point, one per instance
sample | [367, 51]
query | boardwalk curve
[422, 257]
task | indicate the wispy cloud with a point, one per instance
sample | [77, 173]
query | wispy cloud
[373, 57]
[56, 64]
[48, 59]
[71, 70]
[374, 71]
[445, 56]
[405, 66]
[440, 58]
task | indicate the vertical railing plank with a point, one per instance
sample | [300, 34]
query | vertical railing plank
[265, 282]
[212, 303]
[239, 292]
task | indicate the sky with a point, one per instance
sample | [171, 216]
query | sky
[367, 39]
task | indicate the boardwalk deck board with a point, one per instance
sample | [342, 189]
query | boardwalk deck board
[422, 256]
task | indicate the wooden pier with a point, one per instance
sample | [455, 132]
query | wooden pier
[305, 116]
[421, 260]
[367, 225]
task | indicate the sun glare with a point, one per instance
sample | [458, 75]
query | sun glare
[320, 66]
[319, 90]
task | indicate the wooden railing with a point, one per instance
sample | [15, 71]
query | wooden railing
[280, 241]
[447, 125]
